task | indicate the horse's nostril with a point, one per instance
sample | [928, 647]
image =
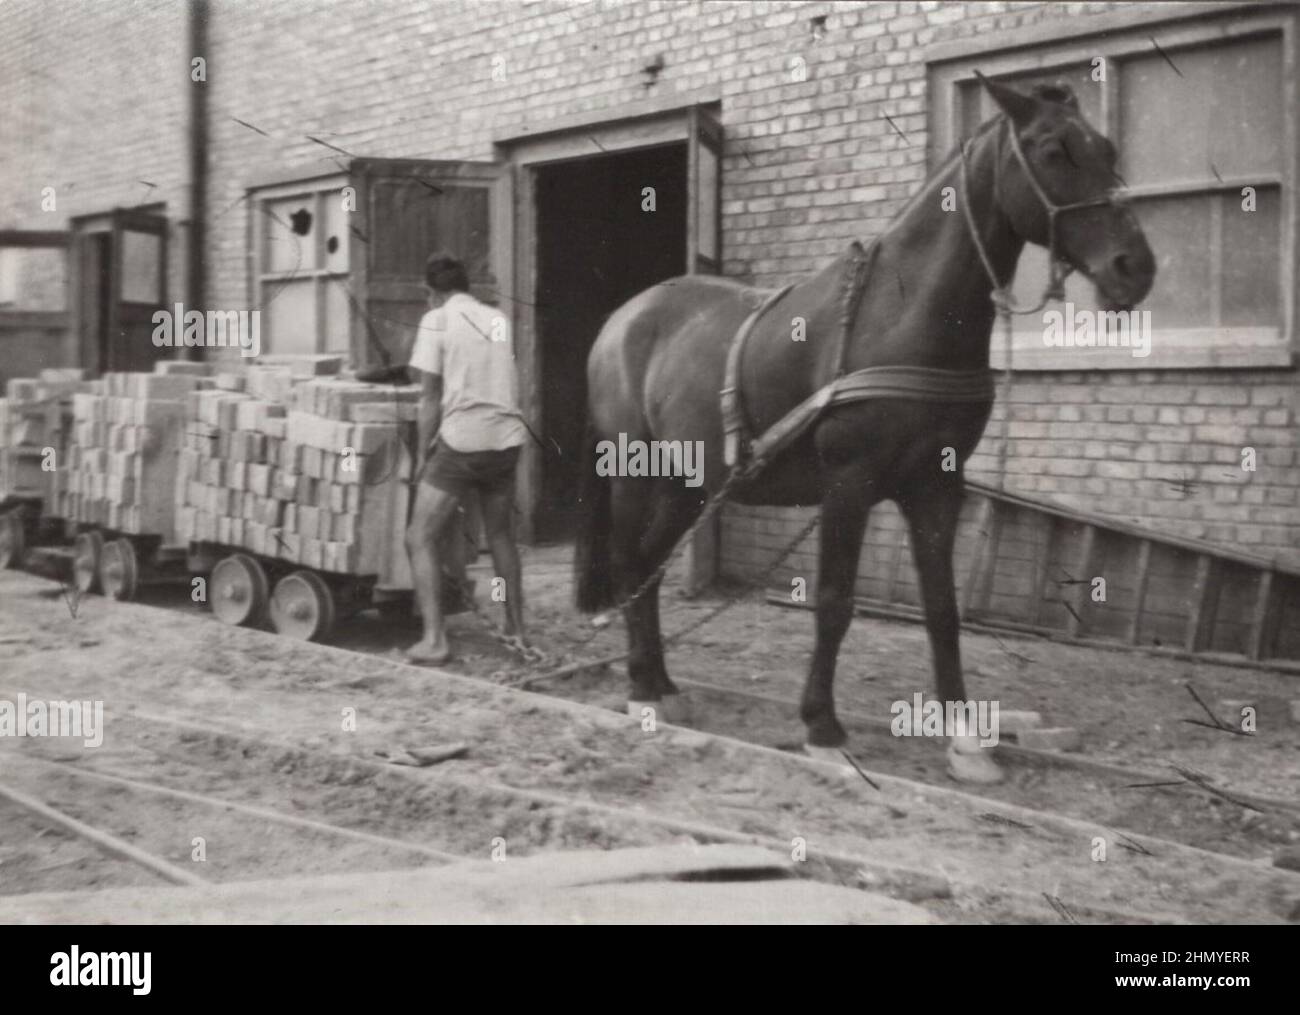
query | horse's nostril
[1122, 265]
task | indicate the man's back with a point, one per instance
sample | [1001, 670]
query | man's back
[466, 343]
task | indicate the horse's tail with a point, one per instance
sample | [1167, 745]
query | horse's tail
[593, 576]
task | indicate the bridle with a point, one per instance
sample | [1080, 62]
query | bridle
[1059, 269]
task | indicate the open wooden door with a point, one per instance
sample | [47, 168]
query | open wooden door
[413, 207]
[120, 273]
[704, 257]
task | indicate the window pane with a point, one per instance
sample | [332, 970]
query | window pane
[141, 267]
[338, 310]
[289, 316]
[1180, 232]
[1251, 266]
[336, 230]
[290, 234]
[1224, 113]
[33, 278]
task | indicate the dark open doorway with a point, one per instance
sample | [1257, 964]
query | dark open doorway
[596, 248]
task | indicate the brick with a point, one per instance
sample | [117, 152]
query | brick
[166, 387]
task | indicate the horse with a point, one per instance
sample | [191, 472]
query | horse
[923, 299]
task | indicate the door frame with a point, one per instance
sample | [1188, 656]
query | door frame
[620, 131]
[144, 218]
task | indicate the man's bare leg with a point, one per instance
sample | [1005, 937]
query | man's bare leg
[499, 528]
[434, 509]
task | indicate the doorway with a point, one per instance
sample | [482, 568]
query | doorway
[120, 263]
[597, 245]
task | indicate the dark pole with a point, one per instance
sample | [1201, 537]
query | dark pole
[197, 182]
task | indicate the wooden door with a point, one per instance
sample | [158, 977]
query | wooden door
[120, 272]
[414, 207]
[140, 290]
[703, 257]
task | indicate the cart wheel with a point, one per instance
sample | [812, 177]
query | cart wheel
[302, 606]
[238, 590]
[119, 569]
[85, 561]
[12, 539]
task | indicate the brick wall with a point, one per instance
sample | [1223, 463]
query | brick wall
[99, 100]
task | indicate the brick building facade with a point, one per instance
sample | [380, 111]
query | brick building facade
[831, 115]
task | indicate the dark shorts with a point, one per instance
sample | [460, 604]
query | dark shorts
[458, 472]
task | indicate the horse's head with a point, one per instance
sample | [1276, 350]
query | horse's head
[1057, 186]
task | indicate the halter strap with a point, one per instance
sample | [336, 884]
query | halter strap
[1059, 270]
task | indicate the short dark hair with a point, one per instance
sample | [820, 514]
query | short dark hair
[446, 273]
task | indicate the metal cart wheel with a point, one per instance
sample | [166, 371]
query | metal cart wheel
[13, 541]
[238, 590]
[119, 569]
[302, 606]
[86, 551]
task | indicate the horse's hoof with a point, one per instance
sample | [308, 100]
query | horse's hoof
[969, 762]
[675, 708]
[835, 755]
[636, 709]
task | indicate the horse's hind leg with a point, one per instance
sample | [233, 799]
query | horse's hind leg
[932, 515]
[843, 519]
[648, 520]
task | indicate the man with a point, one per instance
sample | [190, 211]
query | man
[470, 432]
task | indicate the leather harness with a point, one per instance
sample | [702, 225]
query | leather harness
[747, 454]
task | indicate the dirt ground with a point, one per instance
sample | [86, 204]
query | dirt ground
[153, 667]
[1131, 708]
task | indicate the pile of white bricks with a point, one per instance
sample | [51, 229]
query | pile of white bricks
[32, 433]
[122, 457]
[307, 470]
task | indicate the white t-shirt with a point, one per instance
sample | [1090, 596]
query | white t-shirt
[468, 344]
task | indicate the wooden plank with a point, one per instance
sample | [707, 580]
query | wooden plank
[1260, 625]
[983, 528]
[1139, 590]
[1204, 596]
[1083, 573]
[1042, 569]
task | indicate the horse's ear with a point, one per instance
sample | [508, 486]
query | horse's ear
[1019, 107]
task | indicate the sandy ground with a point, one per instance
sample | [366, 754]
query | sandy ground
[147, 663]
[1130, 707]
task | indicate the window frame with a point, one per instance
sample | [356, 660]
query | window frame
[1118, 36]
[313, 187]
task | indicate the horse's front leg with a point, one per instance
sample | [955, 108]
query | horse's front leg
[843, 519]
[932, 516]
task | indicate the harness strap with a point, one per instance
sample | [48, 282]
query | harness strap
[735, 426]
[923, 384]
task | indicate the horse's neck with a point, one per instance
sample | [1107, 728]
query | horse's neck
[927, 300]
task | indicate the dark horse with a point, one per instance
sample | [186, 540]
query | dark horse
[1036, 173]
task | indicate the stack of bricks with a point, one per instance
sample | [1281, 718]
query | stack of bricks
[32, 434]
[123, 452]
[307, 470]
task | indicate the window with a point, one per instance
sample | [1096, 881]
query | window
[301, 250]
[1203, 114]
